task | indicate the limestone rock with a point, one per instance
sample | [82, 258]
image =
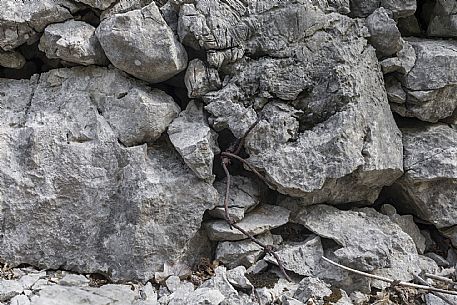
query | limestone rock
[260, 220]
[403, 62]
[309, 110]
[124, 6]
[368, 240]
[443, 20]
[74, 280]
[21, 21]
[431, 85]
[200, 79]
[9, 289]
[385, 36]
[73, 41]
[400, 8]
[451, 233]
[244, 194]
[99, 4]
[105, 295]
[152, 54]
[12, 59]
[205, 296]
[243, 252]
[237, 278]
[429, 185]
[121, 211]
[195, 141]
[303, 258]
[20, 300]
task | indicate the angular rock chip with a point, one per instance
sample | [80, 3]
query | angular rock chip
[200, 79]
[73, 41]
[303, 258]
[195, 141]
[73, 197]
[21, 21]
[153, 54]
[368, 240]
[400, 8]
[12, 59]
[331, 117]
[429, 185]
[385, 36]
[244, 194]
[431, 85]
[260, 220]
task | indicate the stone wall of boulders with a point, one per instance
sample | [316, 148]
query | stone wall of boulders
[114, 115]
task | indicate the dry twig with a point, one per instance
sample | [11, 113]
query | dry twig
[226, 156]
[439, 295]
[388, 280]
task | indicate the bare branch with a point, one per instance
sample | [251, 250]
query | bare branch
[385, 279]
[439, 295]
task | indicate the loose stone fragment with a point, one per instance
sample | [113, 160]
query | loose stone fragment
[385, 36]
[73, 41]
[200, 79]
[260, 220]
[152, 54]
[12, 59]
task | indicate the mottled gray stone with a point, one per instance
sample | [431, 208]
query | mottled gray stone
[407, 224]
[12, 59]
[73, 41]
[303, 258]
[195, 141]
[400, 8]
[105, 295]
[369, 241]
[330, 117]
[221, 283]
[100, 4]
[443, 20]
[74, 280]
[258, 221]
[384, 34]
[314, 291]
[409, 26]
[403, 62]
[237, 278]
[429, 185]
[200, 79]
[451, 233]
[243, 252]
[244, 194]
[21, 21]
[122, 211]
[205, 296]
[431, 299]
[9, 289]
[153, 54]
[20, 300]
[124, 6]
[431, 84]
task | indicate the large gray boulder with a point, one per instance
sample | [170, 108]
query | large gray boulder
[429, 185]
[75, 198]
[330, 117]
[141, 43]
[21, 21]
[367, 240]
[73, 41]
[431, 85]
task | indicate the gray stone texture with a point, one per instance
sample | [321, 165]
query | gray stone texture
[384, 34]
[195, 141]
[73, 196]
[21, 21]
[431, 84]
[400, 8]
[73, 41]
[429, 185]
[11, 59]
[310, 110]
[152, 54]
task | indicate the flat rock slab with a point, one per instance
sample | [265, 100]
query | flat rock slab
[73, 41]
[260, 220]
[429, 186]
[153, 54]
[74, 197]
[368, 240]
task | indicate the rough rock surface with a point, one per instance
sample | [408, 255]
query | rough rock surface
[368, 240]
[443, 20]
[195, 141]
[400, 8]
[73, 41]
[260, 220]
[100, 4]
[244, 193]
[429, 185]
[310, 110]
[200, 79]
[11, 59]
[73, 197]
[20, 21]
[431, 85]
[153, 54]
[385, 36]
